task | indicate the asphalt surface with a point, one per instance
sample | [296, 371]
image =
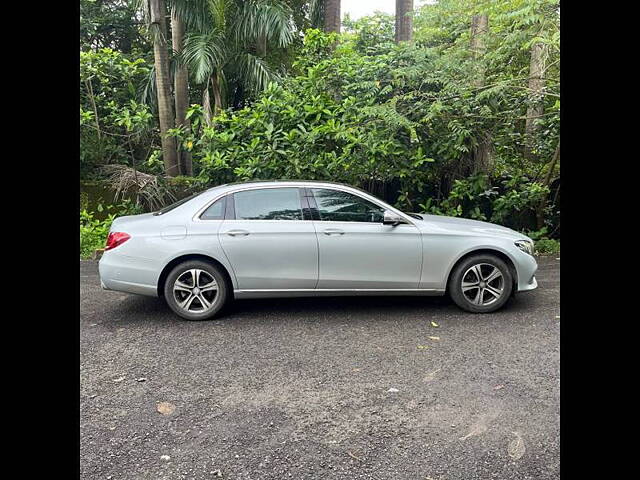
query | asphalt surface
[299, 388]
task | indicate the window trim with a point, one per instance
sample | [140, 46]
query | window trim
[301, 204]
[316, 210]
[305, 186]
[225, 209]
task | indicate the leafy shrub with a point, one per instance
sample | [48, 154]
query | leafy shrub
[94, 232]
[511, 204]
[547, 246]
[114, 125]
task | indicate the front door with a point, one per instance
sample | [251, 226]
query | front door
[268, 242]
[356, 251]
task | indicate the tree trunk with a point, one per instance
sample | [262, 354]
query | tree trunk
[479, 29]
[261, 46]
[206, 105]
[546, 182]
[404, 20]
[536, 96]
[481, 154]
[181, 89]
[217, 94]
[332, 16]
[163, 85]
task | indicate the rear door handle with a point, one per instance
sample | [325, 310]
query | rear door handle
[333, 231]
[237, 233]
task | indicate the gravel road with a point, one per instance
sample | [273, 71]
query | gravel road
[339, 388]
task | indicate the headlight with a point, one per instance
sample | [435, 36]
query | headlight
[525, 245]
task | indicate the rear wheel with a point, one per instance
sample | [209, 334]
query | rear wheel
[481, 284]
[196, 290]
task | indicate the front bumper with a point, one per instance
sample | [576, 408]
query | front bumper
[530, 286]
[526, 267]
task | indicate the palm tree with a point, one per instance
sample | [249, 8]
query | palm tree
[227, 42]
[181, 85]
[332, 16]
[404, 21]
[158, 27]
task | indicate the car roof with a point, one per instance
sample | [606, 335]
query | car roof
[283, 182]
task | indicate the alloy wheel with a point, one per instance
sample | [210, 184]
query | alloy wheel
[195, 290]
[483, 284]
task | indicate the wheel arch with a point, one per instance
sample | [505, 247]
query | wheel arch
[486, 251]
[186, 257]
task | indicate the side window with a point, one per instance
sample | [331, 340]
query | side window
[337, 206]
[215, 210]
[268, 204]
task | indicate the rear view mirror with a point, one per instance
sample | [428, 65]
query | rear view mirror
[391, 218]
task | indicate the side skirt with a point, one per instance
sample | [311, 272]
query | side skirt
[240, 294]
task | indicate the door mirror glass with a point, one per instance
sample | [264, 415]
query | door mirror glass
[391, 218]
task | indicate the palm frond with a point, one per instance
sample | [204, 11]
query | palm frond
[152, 191]
[316, 13]
[147, 92]
[255, 71]
[203, 53]
[264, 18]
[196, 14]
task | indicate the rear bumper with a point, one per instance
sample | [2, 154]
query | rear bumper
[124, 274]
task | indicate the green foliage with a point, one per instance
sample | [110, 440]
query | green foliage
[404, 122]
[510, 203]
[94, 232]
[343, 117]
[374, 34]
[547, 246]
[114, 126]
[471, 198]
[110, 24]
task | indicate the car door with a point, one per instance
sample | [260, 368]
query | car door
[269, 243]
[356, 251]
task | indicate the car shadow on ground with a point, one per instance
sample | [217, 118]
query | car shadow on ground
[138, 308]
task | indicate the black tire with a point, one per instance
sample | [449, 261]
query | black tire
[183, 272]
[465, 299]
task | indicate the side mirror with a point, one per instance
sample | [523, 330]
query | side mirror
[391, 218]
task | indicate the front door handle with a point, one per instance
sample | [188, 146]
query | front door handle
[237, 233]
[333, 231]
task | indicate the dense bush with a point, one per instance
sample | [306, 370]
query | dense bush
[93, 231]
[429, 126]
[115, 126]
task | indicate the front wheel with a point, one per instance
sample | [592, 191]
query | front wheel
[481, 284]
[196, 290]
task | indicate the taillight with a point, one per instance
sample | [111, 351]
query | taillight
[116, 238]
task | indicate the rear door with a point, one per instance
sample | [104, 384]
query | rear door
[356, 251]
[268, 241]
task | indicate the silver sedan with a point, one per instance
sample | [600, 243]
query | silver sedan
[286, 239]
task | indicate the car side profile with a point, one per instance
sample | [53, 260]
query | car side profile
[304, 238]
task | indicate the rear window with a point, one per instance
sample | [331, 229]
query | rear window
[215, 211]
[177, 204]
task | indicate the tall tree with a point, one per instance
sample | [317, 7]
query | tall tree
[536, 98]
[227, 44]
[158, 26]
[404, 20]
[332, 16]
[479, 29]
[181, 86]
[481, 160]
